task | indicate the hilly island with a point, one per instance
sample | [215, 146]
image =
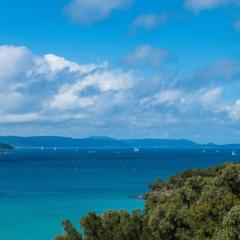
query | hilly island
[5, 147]
[108, 142]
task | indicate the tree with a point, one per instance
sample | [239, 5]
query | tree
[70, 232]
[193, 205]
[92, 225]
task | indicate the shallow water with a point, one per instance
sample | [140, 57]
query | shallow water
[39, 189]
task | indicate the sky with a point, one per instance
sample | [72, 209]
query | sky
[121, 68]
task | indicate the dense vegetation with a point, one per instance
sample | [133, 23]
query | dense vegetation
[195, 204]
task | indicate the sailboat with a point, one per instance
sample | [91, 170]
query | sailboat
[42, 148]
[55, 149]
[136, 149]
[233, 153]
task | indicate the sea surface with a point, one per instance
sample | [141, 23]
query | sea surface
[39, 189]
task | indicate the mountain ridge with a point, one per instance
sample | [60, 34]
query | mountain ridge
[106, 142]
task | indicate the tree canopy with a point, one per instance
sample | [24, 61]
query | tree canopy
[195, 204]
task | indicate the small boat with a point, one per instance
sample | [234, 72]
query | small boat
[55, 149]
[42, 148]
[217, 151]
[204, 151]
[136, 149]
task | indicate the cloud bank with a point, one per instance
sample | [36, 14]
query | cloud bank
[52, 95]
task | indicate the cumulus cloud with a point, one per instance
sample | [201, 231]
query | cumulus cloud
[147, 55]
[57, 64]
[103, 80]
[149, 21]
[14, 62]
[50, 65]
[90, 11]
[42, 92]
[38, 87]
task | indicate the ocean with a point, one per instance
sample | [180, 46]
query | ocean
[39, 189]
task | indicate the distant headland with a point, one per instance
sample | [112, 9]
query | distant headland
[5, 147]
[107, 142]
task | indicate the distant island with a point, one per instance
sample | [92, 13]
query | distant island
[195, 204]
[5, 147]
[107, 142]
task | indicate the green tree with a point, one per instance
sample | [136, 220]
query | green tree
[70, 232]
[92, 225]
[193, 205]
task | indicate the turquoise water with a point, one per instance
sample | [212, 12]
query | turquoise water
[39, 189]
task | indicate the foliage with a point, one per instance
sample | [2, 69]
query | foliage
[195, 204]
[71, 232]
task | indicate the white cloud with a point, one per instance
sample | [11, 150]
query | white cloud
[149, 21]
[50, 90]
[47, 84]
[103, 80]
[210, 96]
[10, 101]
[146, 55]
[69, 101]
[57, 64]
[164, 97]
[90, 11]
[19, 118]
[14, 62]
[50, 65]
[234, 110]
[184, 104]
[199, 5]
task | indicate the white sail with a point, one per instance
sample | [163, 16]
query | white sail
[136, 149]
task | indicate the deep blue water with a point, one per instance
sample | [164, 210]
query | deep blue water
[39, 189]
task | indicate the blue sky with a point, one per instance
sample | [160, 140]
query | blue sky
[122, 68]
